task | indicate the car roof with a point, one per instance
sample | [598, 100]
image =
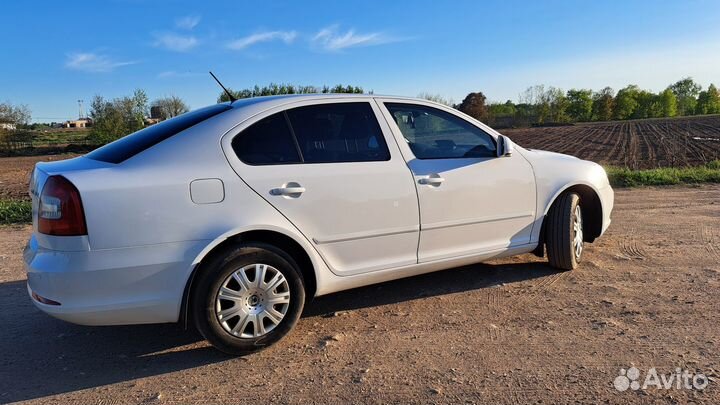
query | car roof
[272, 101]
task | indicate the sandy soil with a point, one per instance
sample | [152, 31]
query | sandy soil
[510, 331]
[15, 173]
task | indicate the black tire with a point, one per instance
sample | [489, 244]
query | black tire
[217, 272]
[560, 232]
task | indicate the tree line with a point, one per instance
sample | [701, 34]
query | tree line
[274, 89]
[14, 114]
[550, 105]
[113, 119]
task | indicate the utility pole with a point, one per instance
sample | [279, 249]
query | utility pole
[81, 115]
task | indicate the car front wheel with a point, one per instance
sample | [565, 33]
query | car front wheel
[564, 232]
[248, 298]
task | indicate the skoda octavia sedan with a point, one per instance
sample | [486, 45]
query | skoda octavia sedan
[234, 215]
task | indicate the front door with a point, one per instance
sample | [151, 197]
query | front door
[471, 201]
[336, 173]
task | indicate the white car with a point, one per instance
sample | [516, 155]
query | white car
[234, 215]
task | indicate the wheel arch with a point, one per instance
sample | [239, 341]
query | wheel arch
[592, 209]
[275, 237]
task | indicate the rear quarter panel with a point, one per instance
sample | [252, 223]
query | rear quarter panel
[146, 199]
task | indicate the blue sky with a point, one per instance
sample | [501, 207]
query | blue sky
[54, 53]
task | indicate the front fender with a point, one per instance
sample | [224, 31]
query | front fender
[556, 173]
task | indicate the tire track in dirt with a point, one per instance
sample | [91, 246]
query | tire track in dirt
[531, 293]
[501, 307]
[493, 297]
[710, 241]
[631, 250]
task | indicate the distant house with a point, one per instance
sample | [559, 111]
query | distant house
[78, 123]
[156, 112]
[10, 126]
[156, 116]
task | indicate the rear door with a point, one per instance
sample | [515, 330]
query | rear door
[336, 173]
[471, 201]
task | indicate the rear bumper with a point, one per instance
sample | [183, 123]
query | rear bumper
[111, 286]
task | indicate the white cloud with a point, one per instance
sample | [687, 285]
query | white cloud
[188, 22]
[92, 62]
[242, 43]
[331, 39]
[175, 42]
[170, 74]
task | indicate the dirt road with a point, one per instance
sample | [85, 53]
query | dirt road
[510, 331]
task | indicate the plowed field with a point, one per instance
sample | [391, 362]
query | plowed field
[637, 144]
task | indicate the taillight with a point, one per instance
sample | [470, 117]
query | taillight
[60, 211]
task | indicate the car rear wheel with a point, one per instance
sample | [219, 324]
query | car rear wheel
[248, 298]
[564, 232]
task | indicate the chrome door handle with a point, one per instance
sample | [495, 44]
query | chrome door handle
[432, 180]
[292, 190]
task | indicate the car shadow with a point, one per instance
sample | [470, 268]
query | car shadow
[42, 356]
[459, 279]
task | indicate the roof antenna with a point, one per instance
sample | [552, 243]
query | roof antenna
[230, 96]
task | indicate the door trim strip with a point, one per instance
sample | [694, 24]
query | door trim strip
[365, 235]
[463, 222]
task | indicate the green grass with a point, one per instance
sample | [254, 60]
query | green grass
[624, 177]
[15, 212]
[62, 137]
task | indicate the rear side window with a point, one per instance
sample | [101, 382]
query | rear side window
[323, 133]
[129, 146]
[342, 132]
[267, 142]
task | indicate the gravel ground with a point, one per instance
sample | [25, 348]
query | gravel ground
[509, 331]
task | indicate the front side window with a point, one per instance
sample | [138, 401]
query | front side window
[340, 132]
[435, 134]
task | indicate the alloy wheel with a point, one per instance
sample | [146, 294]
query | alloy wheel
[578, 232]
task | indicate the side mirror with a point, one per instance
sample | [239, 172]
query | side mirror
[505, 146]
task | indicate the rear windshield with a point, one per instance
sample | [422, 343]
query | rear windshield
[129, 146]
